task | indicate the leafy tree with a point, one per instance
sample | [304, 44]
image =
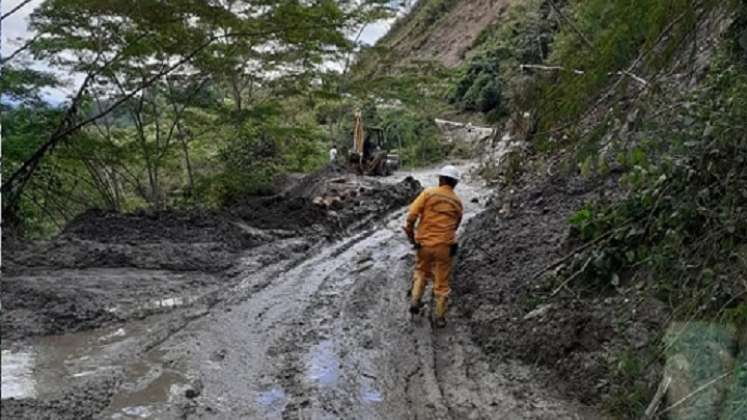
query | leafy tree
[172, 88]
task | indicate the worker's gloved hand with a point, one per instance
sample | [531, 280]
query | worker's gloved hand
[410, 232]
[453, 249]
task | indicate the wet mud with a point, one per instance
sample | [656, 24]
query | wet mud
[515, 312]
[293, 328]
[104, 266]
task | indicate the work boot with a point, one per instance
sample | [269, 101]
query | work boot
[440, 320]
[415, 309]
[416, 293]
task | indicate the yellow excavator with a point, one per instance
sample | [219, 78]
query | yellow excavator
[367, 156]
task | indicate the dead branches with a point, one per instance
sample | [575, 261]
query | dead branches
[578, 72]
[550, 68]
[658, 397]
[696, 392]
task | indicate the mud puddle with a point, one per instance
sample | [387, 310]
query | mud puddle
[17, 374]
[273, 401]
[145, 386]
[324, 366]
[42, 367]
[47, 365]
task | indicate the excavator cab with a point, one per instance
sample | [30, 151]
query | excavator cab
[369, 155]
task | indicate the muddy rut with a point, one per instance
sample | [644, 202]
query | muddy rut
[321, 334]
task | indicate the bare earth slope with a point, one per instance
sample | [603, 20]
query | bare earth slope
[449, 38]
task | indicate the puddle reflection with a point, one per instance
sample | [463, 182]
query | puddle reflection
[17, 375]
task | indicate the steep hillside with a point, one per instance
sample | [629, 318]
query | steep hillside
[444, 31]
[613, 252]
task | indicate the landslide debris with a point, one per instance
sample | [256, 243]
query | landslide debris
[107, 267]
[326, 202]
[512, 314]
[322, 204]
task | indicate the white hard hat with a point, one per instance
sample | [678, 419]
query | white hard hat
[449, 171]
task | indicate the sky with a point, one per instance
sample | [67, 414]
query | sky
[15, 32]
[16, 25]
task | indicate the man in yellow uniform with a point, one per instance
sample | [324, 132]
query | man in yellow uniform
[440, 212]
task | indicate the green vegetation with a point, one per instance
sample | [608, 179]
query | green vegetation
[679, 231]
[605, 38]
[602, 90]
[682, 220]
[187, 104]
[491, 81]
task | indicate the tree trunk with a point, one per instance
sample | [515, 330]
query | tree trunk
[185, 149]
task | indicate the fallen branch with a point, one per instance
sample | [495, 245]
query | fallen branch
[572, 277]
[640, 58]
[631, 75]
[570, 255]
[658, 397]
[627, 73]
[696, 392]
[581, 249]
[550, 68]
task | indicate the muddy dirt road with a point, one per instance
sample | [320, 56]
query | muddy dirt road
[321, 334]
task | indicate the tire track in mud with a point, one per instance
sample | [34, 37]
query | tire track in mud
[449, 379]
[290, 289]
[383, 289]
[366, 303]
[317, 365]
[325, 334]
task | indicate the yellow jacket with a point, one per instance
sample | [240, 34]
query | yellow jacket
[440, 212]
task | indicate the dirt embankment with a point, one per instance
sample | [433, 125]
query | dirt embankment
[515, 314]
[108, 267]
[444, 36]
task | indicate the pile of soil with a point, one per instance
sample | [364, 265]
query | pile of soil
[511, 308]
[172, 225]
[30, 310]
[300, 207]
[107, 267]
[204, 240]
[165, 240]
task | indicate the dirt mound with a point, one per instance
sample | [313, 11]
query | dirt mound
[209, 240]
[107, 267]
[147, 227]
[169, 240]
[327, 202]
[31, 310]
[314, 183]
[279, 213]
[513, 313]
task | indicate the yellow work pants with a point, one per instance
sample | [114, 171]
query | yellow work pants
[433, 262]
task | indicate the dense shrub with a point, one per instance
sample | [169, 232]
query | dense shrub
[482, 85]
[683, 221]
